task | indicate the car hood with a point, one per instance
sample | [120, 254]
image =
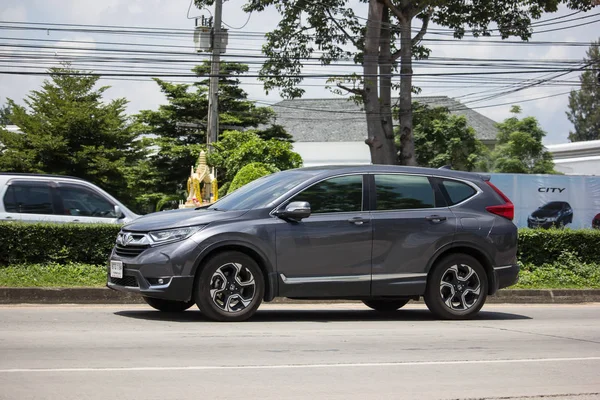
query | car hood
[179, 218]
[544, 213]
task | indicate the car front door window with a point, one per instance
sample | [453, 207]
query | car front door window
[341, 194]
[82, 202]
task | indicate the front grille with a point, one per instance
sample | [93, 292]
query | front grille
[129, 251]
[130, 281]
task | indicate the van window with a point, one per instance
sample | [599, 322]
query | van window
[81, 201]
[28, 198]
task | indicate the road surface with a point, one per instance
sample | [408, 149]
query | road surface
[336, 351]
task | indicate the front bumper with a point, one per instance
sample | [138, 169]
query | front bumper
[505, 276]
[178, 288]
[542, 224]
[173, 263]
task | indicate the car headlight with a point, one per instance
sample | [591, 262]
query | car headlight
[173, 235]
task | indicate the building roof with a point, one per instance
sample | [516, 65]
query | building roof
[342, 120]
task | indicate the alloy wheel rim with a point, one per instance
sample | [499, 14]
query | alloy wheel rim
[460, 287]
[232, 287]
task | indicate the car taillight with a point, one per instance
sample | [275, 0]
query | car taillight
[506, 210]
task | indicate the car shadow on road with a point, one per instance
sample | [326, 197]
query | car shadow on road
[298, 315]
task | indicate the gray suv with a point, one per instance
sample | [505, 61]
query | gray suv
[380, 234]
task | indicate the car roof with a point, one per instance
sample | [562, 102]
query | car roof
[375, 168]
[23, 174]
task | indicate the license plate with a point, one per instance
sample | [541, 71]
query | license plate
[116, 269]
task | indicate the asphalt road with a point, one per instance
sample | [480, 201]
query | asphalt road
[338, 351]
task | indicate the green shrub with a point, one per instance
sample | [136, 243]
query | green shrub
[567, 271]
[26, 243]
[53, 275]
[250, 172]
[545, 246]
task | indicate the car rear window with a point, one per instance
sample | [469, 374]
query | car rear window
[457, 191]
[403, 192]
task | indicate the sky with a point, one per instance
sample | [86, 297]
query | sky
[173, 14]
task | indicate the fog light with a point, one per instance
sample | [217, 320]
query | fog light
[161, 281]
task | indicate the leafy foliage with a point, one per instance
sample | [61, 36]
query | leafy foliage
[250, 173]
[383, 44]
[545, 246]
[237, 149]
[566, 272]
[445, 139]
[584, 104]
[179, 127]
[519, 148]
[68, 130]
[5, 115]
[24, 243]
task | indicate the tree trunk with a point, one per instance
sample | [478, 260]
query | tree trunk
[407, 151]
[376, 137]
[385, 90]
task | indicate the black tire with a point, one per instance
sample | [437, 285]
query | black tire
[168, 305]
[455, 298]
[386, 305]
[237, 285]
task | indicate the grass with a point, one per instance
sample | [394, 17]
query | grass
[53, 275]
[567, 272]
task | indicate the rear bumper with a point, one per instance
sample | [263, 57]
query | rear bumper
[504, 276]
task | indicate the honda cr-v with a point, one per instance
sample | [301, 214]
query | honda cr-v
[380, 234]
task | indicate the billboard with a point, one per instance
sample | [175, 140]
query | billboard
[544, 201]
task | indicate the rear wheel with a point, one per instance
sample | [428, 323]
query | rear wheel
[168, 305]
[230, 287]
[457, 287]
[386, 305]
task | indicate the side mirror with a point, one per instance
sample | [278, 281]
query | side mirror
[296, 210]
[118, 213]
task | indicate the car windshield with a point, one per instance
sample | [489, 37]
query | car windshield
[261, 192]
[553, 206]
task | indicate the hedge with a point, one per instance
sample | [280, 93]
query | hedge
[32, 243]
[541, 246]
[22, 243]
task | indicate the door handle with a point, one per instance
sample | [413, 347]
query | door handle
[436, 219]
[358, 220]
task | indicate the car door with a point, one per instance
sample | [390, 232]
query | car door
[31, 201]
[329, 253]
[411, 222]
[85, 205]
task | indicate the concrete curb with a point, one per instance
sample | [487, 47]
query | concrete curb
[107, 296]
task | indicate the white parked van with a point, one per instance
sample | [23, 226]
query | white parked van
[54, 198]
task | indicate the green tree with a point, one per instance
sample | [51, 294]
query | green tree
[67, 129]
[5, 115]
[584, 104]
[519, 148]
[445, 139]
[179, 127]
[383, 44]
[237, 149]
[249, 173]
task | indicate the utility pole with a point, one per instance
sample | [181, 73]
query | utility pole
[213, 91]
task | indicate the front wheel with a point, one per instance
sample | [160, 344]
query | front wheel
[386, 305]
[230, 287]
[457, 287]
[168, 305]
